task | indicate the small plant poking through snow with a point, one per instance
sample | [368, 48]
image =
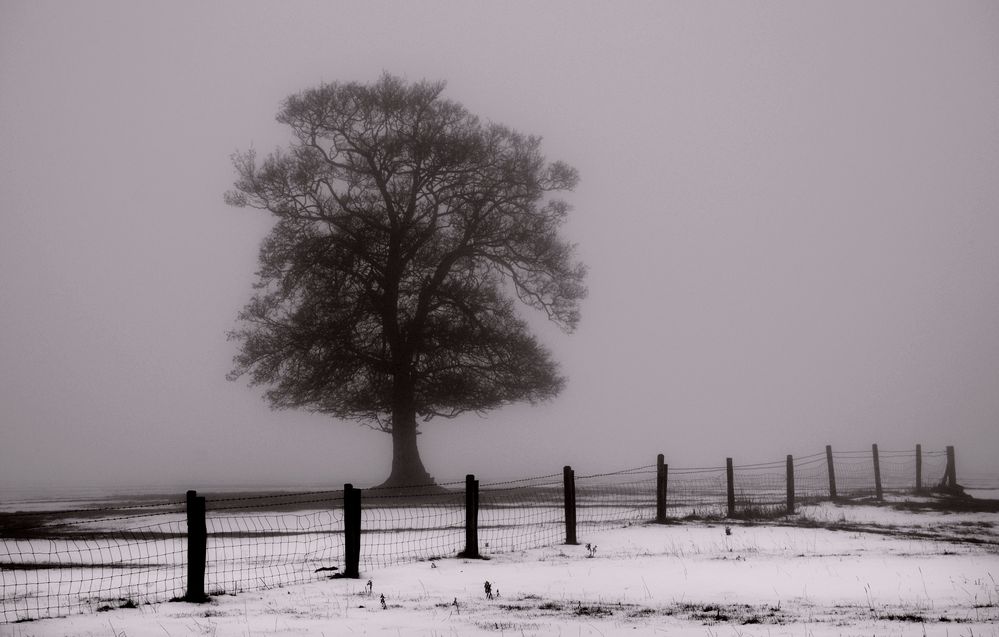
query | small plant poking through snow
[591, 549]
[384, 605]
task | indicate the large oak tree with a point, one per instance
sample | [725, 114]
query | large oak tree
[406, 232]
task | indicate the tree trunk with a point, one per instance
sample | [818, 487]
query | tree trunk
[407, 467]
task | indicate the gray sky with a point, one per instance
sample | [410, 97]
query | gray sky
[790, 212]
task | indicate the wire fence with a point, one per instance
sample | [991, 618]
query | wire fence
[90, 560]
[613, 499]
[58, 562]
[521, 514]
[402, 527]
[254, 551]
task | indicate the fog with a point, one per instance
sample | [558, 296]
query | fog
[790, 213]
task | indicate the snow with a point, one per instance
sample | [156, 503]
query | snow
[830, 570]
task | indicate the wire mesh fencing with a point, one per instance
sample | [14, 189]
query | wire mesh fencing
[410, 525]
[696, 492]
[760, 489]
[521, 514]
[614, 499]
[263, 541]
[854, 474]
[90, 560]
[858, 474]
[59, 562]
[811, 478]
[934, 469]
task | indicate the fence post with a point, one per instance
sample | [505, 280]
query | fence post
[351, 531]
[951, 476]
[730, 477]
[790, 485]
[569, 482]
[832, 472]
[877, 473]
[919, 468]
[471, 518]
[197, 547]
[662, 475]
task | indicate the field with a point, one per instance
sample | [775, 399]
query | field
[911, 566]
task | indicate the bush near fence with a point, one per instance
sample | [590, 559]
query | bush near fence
[55, 563]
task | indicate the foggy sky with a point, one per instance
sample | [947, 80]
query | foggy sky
[789, 211]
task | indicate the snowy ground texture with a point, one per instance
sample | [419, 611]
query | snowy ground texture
[848, 569]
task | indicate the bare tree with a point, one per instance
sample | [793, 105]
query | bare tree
[406, 232]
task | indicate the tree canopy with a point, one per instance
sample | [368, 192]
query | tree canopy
[407, 231]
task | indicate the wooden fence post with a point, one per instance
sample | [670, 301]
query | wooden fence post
[877, 473]
[919, 468]
[197, 547]
[569, 488]
[832, 472]
[790, 485]
[951, 469]
[662, 475]
[471, 518]
[351, 531]
[730, 477]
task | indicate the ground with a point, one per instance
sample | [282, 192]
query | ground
[831, 570]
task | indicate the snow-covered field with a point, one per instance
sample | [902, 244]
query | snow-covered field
[830, 570]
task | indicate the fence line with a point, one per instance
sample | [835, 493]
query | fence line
[54, 563]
